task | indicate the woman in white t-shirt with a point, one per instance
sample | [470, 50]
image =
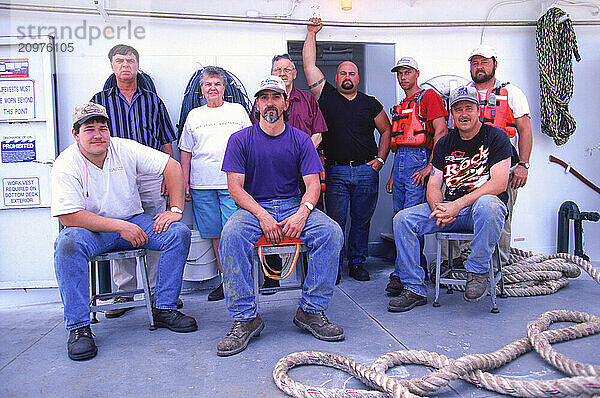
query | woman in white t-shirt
[203, 142]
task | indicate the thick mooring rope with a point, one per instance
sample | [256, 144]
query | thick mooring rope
[555, 43]
[472, 368]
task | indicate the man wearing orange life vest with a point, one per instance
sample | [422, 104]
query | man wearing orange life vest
[417, 124]
[509, 113]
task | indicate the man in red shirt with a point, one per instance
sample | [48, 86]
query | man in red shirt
[417, 124]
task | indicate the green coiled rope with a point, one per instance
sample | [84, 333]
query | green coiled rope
[556, 43]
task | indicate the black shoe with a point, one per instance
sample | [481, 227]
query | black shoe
[269, 283]
[237, 339]
[407, 300]
[395, 286]
[81, 344]
[318, 325]
[358, 272]
[216, 294]
[174, 320]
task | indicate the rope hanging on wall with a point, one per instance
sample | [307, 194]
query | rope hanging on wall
[555, 42]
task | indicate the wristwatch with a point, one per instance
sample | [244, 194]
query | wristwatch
[309, 205]
[176, 209]
[380, 160]
[524, 164]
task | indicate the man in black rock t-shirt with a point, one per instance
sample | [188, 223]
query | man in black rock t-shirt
[352, 157]
[473, 160]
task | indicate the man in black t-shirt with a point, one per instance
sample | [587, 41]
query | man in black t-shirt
[352, 157]
[473, 160]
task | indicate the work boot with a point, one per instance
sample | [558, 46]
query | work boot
[395, 286]
[269, 283]
[119, 311]
[216, 294]
[174, 320]
[358, 272]
[318, 325]
[476, 287]
[237, 339]
[406, 301]
[81, 344]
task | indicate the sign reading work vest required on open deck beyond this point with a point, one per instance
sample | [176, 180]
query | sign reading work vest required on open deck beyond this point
[17, 100]
[21, 191]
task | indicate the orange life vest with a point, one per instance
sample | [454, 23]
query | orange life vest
[495, 110]
[408, 127]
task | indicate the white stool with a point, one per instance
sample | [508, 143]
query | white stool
[495, 271]
[140, 257]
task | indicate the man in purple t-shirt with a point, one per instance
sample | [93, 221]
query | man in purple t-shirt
[264, 164]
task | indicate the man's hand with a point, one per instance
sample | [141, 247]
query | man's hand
[188, 197]
[375, 164]
[164, 219]
[518, 177]
[133, 234]
[315, 25]
[163, 188]
[270, 229]
[420, 176]
[445, 213]
[389, 187]
[294, 224]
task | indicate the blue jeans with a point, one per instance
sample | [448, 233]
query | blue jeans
[321, 235]
[485, 218]
[407, 161]
[355, 187]
[74, 247]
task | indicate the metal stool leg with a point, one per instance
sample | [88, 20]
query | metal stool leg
[255, 270]
[438, 266]
[449, 289]
[93, 270]
[141, 263]
[495, 260]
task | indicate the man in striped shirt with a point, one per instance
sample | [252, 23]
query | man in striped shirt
[140, 115]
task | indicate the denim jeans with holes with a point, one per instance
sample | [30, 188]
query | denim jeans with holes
[485, 218]
[321, 235]
[74, 247]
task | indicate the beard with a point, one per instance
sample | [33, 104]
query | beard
[271, 117]
[483, 78]
[347, 84]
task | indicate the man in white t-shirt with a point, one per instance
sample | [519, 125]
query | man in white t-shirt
[504, 106]
[203, 141]
[95, 196]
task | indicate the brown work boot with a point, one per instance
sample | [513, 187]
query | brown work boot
[237, 339]
[395, 286]
[318, 325]
[476, 287]
[119, 311]
[406, 301]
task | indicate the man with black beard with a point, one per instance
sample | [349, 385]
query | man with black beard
[264, 163]
[352, 157]
[504, 106]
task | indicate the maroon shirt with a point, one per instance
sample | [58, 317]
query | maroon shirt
[304, 113]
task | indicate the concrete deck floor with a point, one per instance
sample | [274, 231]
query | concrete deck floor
[133, 361]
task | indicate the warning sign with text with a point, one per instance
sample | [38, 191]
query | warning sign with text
[17, 151]
[17, 100]
[21, 191]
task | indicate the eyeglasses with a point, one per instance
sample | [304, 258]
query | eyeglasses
[286, 70]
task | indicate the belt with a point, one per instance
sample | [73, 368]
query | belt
[351, 163]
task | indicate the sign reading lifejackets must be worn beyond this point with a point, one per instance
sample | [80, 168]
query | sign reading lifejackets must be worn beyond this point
[17, 100]
[19, 192]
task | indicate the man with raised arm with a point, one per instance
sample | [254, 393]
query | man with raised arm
[352, 157]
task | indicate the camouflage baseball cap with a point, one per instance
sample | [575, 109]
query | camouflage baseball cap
[87, 111]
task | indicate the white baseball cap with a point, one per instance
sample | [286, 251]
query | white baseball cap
[273, 83]
[485, 51]
[406, 62]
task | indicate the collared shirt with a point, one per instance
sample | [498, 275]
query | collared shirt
[145, 120]
[304, 112]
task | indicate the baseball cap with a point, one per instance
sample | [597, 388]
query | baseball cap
[273, 83]
[485, 51]
[464, 93]
[87, 111]
[406, 62]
